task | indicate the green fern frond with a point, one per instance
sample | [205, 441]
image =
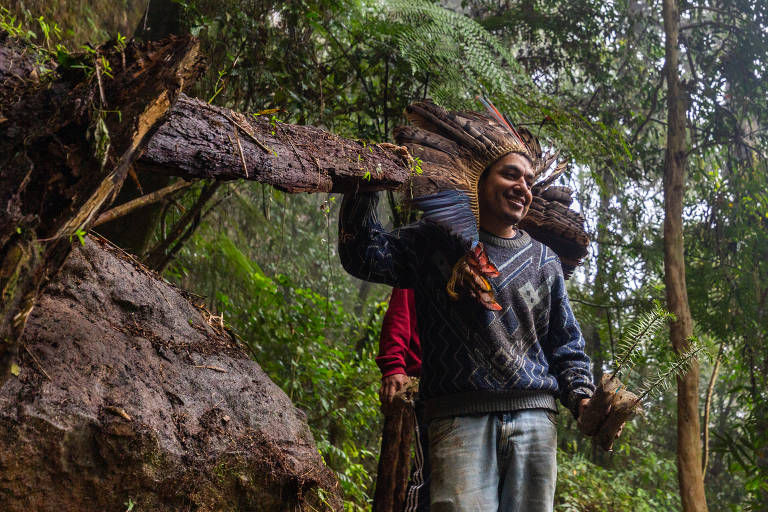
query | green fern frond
[675, 368]
[460, 58]
[644, 329]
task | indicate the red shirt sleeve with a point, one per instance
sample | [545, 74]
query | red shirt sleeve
[396, 345]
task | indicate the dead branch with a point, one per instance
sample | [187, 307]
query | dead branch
[139, 202]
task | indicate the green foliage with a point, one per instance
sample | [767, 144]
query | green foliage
[677, 367]
[462, 59]
[14, 26]
[587, 75]
[646, 486]
[456, 51]
[304, 342]
[636, 344]
[74, 23]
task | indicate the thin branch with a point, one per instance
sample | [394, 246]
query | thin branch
[139, 202]
[651, 110]
[37, 363]
[707, 406]
[251, 135]
[622, 305]
[709, 24]
[240, 151]
[610, 333]
[157, 255]
[677, 368]
[102, 96]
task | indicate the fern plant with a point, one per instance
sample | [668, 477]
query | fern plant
[621, 403]
[460, 59]
[675, 368]
[460, 55]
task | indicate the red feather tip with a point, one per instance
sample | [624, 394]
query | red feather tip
[500, 118]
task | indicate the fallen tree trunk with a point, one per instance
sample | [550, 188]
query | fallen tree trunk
[204, 141]
[129, 391]
[122, 391]
[67, 141]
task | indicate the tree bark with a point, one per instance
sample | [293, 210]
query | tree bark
[66, 145]
[395, 456]
[690, 478]
[129, 388]
[203, 141]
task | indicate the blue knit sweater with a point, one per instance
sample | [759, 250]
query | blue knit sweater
[475, 360]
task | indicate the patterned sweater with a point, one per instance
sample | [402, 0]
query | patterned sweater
[475, 360]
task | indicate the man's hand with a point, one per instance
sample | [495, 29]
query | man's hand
[583, 404]
[391, 385]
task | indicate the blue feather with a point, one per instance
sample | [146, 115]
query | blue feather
[451, 210]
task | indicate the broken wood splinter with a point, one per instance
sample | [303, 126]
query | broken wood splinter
[249, 134]
[208, 367]
[117, 411]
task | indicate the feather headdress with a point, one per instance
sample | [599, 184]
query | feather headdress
[455, 148]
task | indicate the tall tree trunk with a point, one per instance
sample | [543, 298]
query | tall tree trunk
[690, 476]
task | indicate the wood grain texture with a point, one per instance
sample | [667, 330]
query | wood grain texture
[201, 141]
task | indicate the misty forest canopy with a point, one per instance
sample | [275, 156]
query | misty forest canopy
[590, 78]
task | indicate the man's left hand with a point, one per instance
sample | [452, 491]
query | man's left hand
[583, 404]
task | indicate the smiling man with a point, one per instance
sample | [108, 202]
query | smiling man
[504, 194]
[490, 377]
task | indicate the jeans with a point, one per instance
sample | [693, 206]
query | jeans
[502, 462]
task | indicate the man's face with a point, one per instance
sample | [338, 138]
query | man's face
[504, 193]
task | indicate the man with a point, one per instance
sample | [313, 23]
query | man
[399, 347]
[489, 377]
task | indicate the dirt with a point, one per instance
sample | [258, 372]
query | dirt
[128, 392]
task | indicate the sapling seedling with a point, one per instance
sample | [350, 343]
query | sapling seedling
[612, 404]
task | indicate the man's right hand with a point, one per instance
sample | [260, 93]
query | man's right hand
[391, 385]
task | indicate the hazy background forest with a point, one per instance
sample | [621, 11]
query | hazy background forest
[588, 76]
